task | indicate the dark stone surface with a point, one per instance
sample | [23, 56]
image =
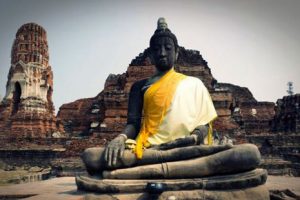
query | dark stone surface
[225, 182]
[186, 57]
[255, 193]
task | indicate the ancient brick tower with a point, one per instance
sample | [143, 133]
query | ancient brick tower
[27, 109]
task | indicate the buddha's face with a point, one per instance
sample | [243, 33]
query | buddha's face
[164, 53]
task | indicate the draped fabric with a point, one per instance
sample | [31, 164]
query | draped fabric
[173, 107]
[157, 100]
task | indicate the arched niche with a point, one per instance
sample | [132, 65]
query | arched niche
[19, 69]
[49, 99]
[16, 98]
[49, 95]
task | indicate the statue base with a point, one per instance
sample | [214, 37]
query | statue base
[246, 185]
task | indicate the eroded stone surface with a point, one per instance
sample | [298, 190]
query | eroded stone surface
[106, 113]
[225, 182]
[255, 193]
[247, 185]
[272, 127]
[287, 118]
[27, 109]
[65, 188]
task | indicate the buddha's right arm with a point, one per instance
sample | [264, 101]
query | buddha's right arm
[116, 147]
[130, 131]
[135, 107]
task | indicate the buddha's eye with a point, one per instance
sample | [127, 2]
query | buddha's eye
[168, 47]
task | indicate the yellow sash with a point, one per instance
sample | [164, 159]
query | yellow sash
[157, 100]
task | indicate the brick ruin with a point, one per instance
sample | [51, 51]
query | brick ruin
[274, 128]
[239, 112]
[27, 113]
[287, 117]
[27, 109]
[280, 146]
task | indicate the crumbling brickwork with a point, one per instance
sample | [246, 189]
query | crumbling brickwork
[27, 109]
[107, 112]
[287, 117]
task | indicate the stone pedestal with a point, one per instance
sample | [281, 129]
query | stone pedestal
[246, 185]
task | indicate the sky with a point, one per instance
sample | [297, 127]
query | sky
[254, 44]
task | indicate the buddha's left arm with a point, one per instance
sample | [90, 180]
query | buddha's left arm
[196, 138]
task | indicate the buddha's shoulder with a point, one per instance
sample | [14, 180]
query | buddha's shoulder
[193, 81]
[139, 84]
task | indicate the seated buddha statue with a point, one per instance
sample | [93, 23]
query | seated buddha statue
[169, 127]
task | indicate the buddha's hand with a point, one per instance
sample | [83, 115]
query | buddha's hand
[200, 133]
[114, 150]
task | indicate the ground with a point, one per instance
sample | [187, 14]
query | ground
[65, 188]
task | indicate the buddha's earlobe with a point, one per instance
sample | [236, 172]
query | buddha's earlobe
[176, 54]
[151, 57]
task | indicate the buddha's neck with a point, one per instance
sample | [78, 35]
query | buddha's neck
[155, 77]
[161, 73]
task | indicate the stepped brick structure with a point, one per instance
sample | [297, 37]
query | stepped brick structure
[272, 127]
[278, 137]
[287, 117]
[106, 114]
[78, 116]
[27, 109]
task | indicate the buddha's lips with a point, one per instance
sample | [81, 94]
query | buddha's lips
[163, 60]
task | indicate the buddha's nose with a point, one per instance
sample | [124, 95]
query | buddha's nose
[162, 52]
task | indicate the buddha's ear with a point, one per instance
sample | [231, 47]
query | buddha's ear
[176, 53]
[150, 55]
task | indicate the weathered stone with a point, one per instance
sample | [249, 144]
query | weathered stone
[255, 117]
[239, 94]
[255, 193]
[277, 137]
[225, 182]
[234, 160]
[111, 109]
[65, 188]
[77, 117]
[287, 117]
[27, 109]
[35, 169]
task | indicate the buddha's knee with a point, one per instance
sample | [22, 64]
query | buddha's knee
[93, 159]
[249, 154]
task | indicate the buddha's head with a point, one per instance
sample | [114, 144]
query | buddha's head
[163, 47]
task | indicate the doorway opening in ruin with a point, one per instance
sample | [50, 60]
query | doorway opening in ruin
[16, 98]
